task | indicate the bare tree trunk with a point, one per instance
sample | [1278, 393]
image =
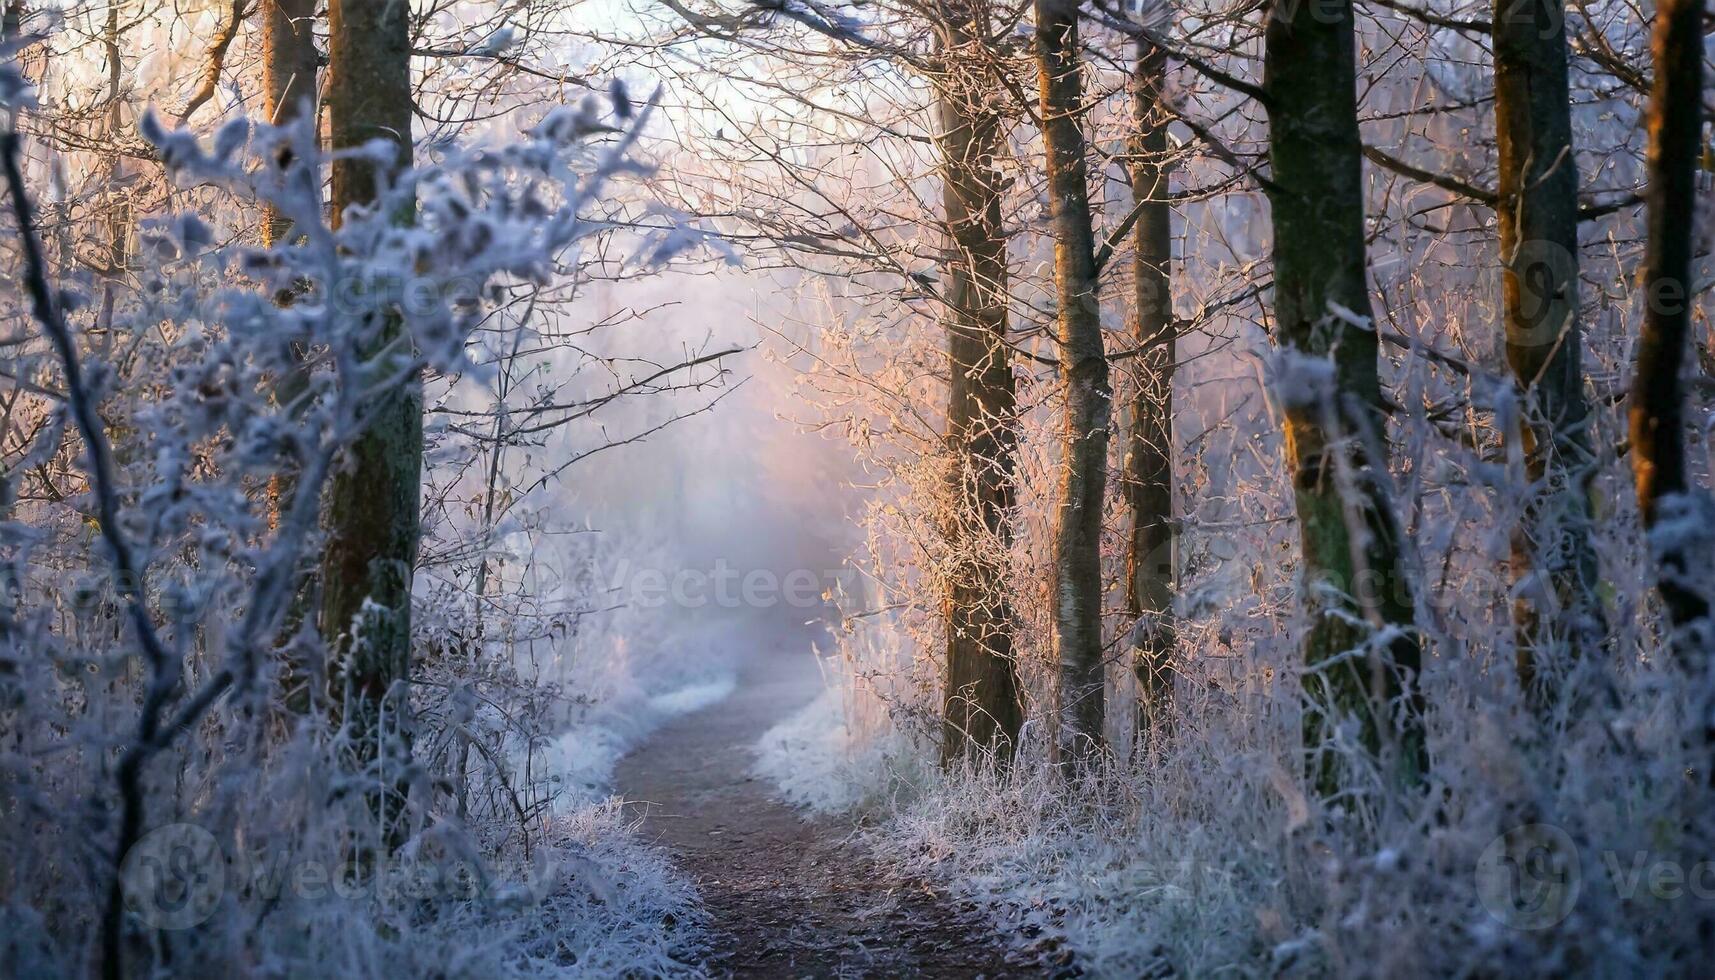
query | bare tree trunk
[1361, 652]
[1657, 412]
[288, 76]
[1554, 559]
[373, 500]
[289, 94]
[1151, 558]
[1084, 372]
[983, 713]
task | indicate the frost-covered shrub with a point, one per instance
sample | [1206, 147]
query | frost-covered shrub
[176, 793]
[1576, 840]
[1533, 850]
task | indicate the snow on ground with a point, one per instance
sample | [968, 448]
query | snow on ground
[1137, 883]
[583, 756]
[618, 905]
[812, 760]
[830, 757]
[628, 670]
[692, 697]
[1208, 858]
[1043, 872]
[624, 909]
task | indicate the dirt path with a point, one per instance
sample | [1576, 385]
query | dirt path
[789, 897]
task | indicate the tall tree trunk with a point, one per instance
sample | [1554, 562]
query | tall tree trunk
[373, 500]
[288, 76]
[1554, 559]
[1361, 652]
[288, 95]
[1151, 559]
[1657, 411]
[982, 713]
[1084, 373]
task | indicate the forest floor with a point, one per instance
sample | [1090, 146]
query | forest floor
[789, 895]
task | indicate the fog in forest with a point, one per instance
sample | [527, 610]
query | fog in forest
[856, 488]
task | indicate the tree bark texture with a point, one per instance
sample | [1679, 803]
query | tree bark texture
[1362, 654]
[1554, 564]
[1657, 410]
[1084, 375]
[1151, 556]
[983, 711]
[373, 500]
[288, 76]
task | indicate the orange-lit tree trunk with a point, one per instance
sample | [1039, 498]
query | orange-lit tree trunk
[983, 713]
[1554, 559]
[1361, 652]
[288, 75]
[1657, 412]
[1084, 374]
